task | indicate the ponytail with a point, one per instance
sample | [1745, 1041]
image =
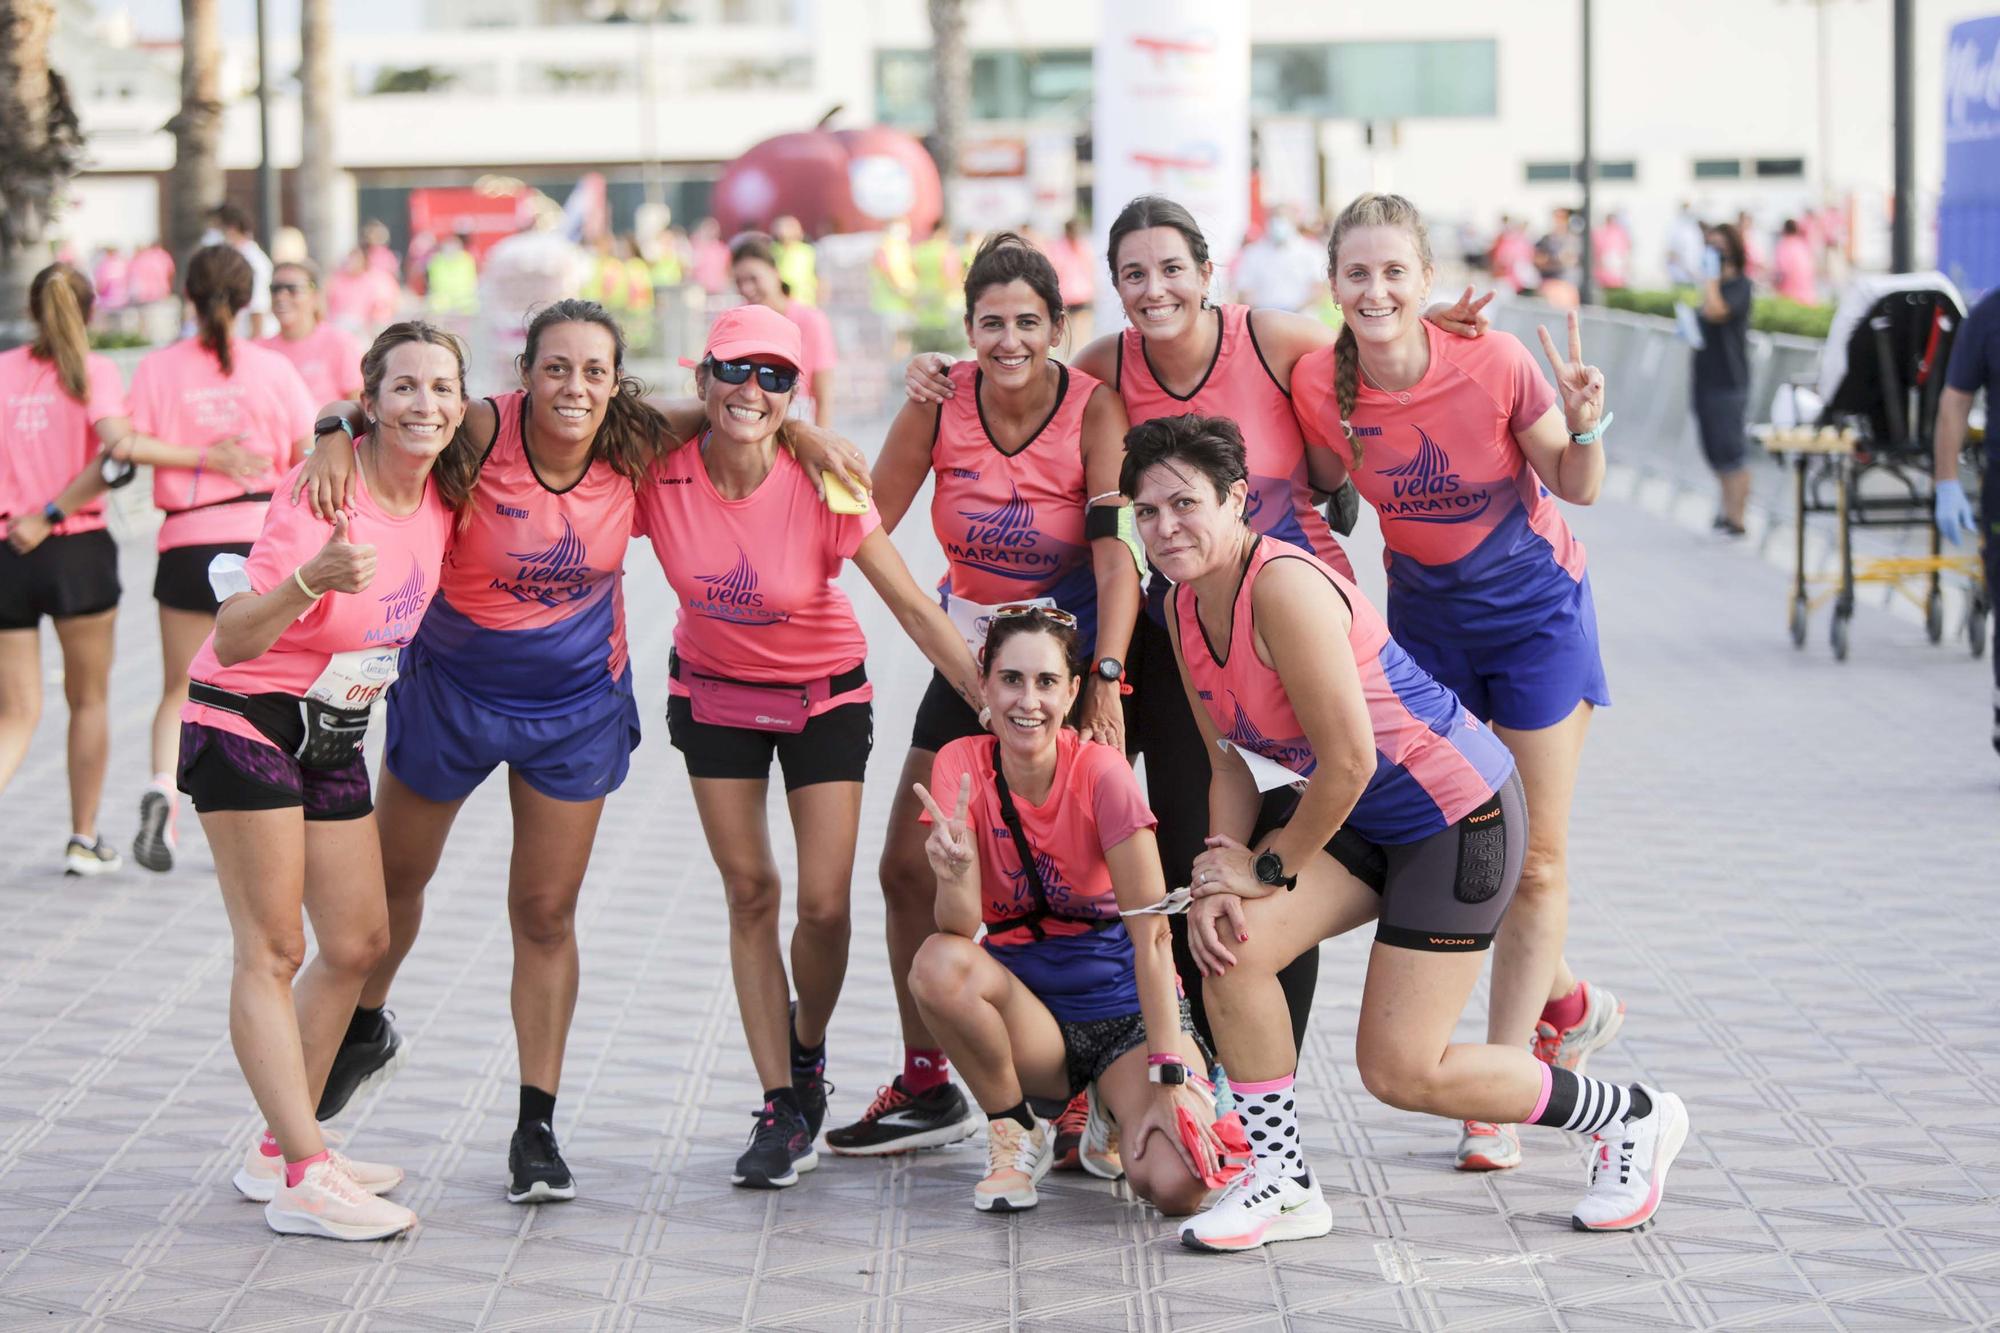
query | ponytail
[218, 286]
[1347, 386]
[59, 301]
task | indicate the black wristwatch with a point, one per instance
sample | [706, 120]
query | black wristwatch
[1271, 870]
[53, 512]
[1108, 669]
[328, 425]
[1170, 1072]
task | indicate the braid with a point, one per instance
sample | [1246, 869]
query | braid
[1347, 385]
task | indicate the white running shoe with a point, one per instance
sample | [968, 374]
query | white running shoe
[1016, 1161]
[1603, 1015]
[1628, 1169]
[1260, 1206]
[327, 1202]
[1097, 1150]
[1485, 1147]
[257, 1179]
[85, 858]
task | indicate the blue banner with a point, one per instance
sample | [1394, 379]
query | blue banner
[1969, 211]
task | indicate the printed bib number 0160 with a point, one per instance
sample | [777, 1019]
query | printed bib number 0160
[355, 679]
[972, 620]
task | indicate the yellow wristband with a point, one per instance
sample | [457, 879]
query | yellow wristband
[298, 577]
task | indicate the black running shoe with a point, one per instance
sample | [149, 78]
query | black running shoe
[153, 848]
[779, 1149]
[898, 1122]
[359, 1066]
[540, 1175]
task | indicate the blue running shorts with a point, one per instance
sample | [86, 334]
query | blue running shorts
[443, 742]
[1530, 681]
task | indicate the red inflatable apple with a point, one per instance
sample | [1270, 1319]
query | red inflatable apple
[832, 181]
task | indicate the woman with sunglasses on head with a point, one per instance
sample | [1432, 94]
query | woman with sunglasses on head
[767, 663]
[271, 755]
[1347, 785]
[1181, 354]
[1014, 460]
[1459, 446]
[1048, 837]
[521, 663]
[213, 386]
[326, 356]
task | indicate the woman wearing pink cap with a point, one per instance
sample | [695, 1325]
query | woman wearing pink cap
[767, 662]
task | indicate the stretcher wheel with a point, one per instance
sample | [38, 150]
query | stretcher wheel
[1798, 622]
[1934, 616]
[1837, 633]
[1975, 630]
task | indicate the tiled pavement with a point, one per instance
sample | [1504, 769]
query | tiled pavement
[1787, 867]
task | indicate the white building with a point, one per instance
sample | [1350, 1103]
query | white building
[1471, 107]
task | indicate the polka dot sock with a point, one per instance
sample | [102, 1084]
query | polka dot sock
[1271, 1117]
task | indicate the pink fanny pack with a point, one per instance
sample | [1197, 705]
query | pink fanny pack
[719, 701]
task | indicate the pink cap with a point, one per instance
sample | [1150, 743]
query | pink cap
[752, 330]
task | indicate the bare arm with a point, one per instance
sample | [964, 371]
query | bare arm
[954, 859]
[1954, 419]
[250, 622]
[919, 615]
[1111, 561]
[1574, 472]
[822, 395]
[1099, 358]
[904, 461]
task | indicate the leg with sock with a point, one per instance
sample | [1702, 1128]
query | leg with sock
[536, 1170]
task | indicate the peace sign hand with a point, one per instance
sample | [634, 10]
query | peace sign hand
[950, 847]
[1581, 386]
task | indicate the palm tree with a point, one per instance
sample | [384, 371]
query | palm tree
[40, 147]
[317, 95]
[195, 183]
[951, 87]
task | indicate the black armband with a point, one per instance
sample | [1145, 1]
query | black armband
[1101, 521]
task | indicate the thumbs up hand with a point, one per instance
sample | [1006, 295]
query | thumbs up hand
[341, 565]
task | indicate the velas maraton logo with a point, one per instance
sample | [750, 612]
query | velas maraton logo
[1427, 489]
[560, 572]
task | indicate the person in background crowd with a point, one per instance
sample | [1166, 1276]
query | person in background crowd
[1975, 366]
[892, 284]
[638, 318]
[230, 226]
[939, 267]
[1513, 257]
[1559, 260]
[671, 258]
[112, 277]
[417, 262]
[709, 257]
[1721, 383]
[375, 246]
[1076, 268]
[452, 278]
[151, 275]
[758, 281]
[362, 297]
[288, 246]
[1754, 265]
[1686, 238]
[208, 387]
[1792, 274]
[1611, 253]
[325, 355]
[797, 263]
[1280, 270]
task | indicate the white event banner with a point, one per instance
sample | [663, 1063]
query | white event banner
[1173, 118]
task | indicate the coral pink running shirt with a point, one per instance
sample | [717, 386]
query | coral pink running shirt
[328, 359]
[816, 349]
[1012, 524]
[1240, 386]
[1434, 762]
[180, 395]
[408, 553]
[46, 436]
[1474, 543]
[755, 576]
[530, 617]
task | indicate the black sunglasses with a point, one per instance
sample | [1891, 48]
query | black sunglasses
[284, 288]
[772, 379]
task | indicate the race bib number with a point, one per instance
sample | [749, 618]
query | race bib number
[355, 680]
[971, 619]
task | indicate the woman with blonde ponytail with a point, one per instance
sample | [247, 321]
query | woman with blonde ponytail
[1459, 445]
[253, 411]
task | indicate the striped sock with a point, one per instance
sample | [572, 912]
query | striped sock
[1580, 1103]
[1270, 1114]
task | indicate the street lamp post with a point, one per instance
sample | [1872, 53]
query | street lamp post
[1902, 233]
[1587, 283]
[267, 177]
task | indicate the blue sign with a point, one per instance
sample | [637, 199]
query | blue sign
[1969, 212]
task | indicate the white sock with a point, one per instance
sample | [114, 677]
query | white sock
[1271, 1117]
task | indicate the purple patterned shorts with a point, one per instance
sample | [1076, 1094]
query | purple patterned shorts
[224, 771]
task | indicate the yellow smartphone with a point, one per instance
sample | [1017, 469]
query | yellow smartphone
[839, 498]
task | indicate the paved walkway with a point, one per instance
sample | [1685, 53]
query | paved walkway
[1786, 866]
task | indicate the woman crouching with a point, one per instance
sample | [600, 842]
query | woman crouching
[1049, 839]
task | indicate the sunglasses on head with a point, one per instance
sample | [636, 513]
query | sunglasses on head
[772, 379]
[1055, 615]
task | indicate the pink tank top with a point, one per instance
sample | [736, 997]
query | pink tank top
[1240, 386]
[1434, 762]
[1012, 524]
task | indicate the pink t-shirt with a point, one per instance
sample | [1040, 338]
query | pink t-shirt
[816, 346]
[408, 552]
[328, 359]
[364, 300]
[180, 395]
[1094, 804]
[46, 436]
[755, 576]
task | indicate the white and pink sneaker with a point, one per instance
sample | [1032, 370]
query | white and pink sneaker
[257, 1179]
[327, 1202]
[1260, 1206]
